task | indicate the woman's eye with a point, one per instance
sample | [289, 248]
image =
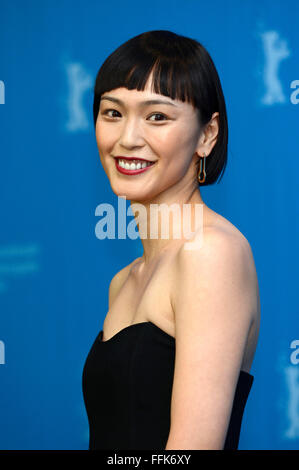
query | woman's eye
[110, 110]
[159, 114]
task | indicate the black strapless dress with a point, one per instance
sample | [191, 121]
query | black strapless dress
[127, 385]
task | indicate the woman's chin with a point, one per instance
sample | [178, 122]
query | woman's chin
[122, 190]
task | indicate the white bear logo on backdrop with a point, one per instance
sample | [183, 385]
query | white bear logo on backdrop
[79, 81]
[275, 50]
[2, 92]
[2, 353]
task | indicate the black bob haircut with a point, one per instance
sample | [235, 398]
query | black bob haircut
[182, 69]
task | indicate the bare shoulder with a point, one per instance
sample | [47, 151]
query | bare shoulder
[118, 280]
[216, 244]
[224, 263]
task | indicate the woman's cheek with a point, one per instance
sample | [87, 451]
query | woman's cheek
[165, 138]
[104, 140]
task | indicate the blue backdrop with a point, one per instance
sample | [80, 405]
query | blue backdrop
[55, 272]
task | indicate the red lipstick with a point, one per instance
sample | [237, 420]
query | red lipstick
[124, 171]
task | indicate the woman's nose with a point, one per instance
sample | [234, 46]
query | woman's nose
[131, 134]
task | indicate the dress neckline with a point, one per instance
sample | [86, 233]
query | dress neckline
[124, 330]
[151, 324]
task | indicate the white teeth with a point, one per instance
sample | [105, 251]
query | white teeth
[132, 166]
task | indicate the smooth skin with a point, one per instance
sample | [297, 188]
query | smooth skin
[208, 298]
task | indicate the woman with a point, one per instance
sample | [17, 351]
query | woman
[171, 367]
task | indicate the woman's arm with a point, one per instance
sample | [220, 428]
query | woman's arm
[214, 302]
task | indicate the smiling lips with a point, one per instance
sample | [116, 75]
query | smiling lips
[134, 167]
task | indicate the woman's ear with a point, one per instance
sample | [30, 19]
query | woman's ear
[208, 136]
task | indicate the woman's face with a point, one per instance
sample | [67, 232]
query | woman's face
[166, 133]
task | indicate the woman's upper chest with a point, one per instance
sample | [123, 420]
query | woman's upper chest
[144, 296]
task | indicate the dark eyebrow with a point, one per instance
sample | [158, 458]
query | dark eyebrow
[116, 100]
